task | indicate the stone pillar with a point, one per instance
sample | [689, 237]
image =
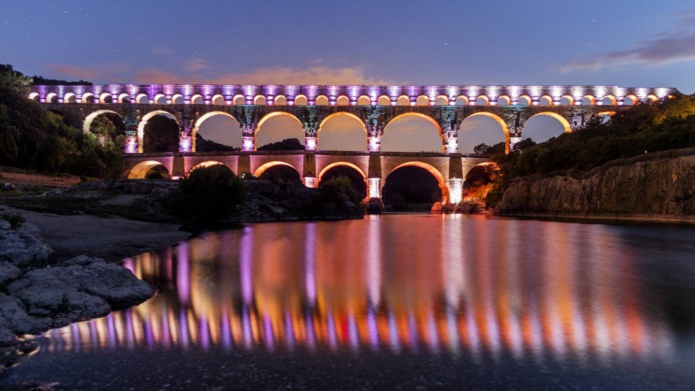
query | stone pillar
[514, 139]
[131, 141]
[455, 186]
[374, 188]
[309, 171]
[310, 143]
[374, 177]
[374, 144]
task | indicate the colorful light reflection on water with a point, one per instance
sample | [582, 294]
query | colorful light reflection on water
[405, 284]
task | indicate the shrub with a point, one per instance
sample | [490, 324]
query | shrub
[209, 194]
[15, 220]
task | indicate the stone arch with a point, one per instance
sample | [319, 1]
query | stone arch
[422, 100]
[301, 100]
[482, 100]
[364, 101]
[105, 97]
[141, 169]
[485, 114]
[196, 126]
[588, 100]
[630, 100]
[52, 97]
[651, 98]
[321, 100]
[218, 100]
[207, 163]
[544, 134]
[441, 100]
[264, 167]
[280, 100]
[177, 99]
[429, 168]
[524, 100]
[461, 100]
[503, 100]
[239, 100]
[142, 99]
[352, 166]
[545, 100]
[87, 97]
[69, 97]
[417, 137]
[197, 99]
[86, 125]
[567, 100]
[609, 100]
[259, 100]
[143, 123]
[384, 100]
[159, 99]
[349, 139]
[342, 100]
[289, 133]
[403, 100]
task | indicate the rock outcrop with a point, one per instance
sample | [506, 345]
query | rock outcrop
[656, 187]
[36, 296]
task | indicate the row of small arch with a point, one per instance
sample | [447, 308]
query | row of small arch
[344, 100]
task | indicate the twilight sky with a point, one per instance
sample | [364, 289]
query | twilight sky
[545, 42]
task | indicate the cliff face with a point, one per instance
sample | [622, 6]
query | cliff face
[661, 188]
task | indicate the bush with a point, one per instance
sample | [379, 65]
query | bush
[15, 220]
[209, 194]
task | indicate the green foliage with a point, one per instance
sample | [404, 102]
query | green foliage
[15, 220]
[209, 194]
[288, 144]
[337, 187]
[204, 145]
[13, 80]
[481, 149]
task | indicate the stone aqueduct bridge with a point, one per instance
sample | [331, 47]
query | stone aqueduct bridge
[445, 107]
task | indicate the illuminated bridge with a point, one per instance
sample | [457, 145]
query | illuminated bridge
[311, 106]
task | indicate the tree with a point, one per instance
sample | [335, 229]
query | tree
[209, 194]
[481, 149]
[161, 135]
[288, 144]
[14, 80]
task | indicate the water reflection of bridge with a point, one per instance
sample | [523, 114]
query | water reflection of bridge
[289, 292]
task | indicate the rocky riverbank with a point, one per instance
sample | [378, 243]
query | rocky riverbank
[656, 187]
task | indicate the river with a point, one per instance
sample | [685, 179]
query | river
[396, 301]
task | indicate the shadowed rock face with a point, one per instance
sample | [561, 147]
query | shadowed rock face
[654, 189]
[34, 298]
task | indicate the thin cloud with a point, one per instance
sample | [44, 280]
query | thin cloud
[196, 65]
[161, 50]
[158, 76]
[677, 44]
[91, 74]
[311, 75]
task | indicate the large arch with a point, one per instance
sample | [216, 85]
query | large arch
[342, 135]
[545, 125]
[429, 168]
[143, 123]
[219, 136]
[279, 133]
[266, 166]
[207, 163]
[472, 128]
[362, 191]
[141, 169]
[86, 125]
[418, 137]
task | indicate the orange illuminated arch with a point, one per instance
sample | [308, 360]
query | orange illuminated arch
[87, 96]
[422, 100]
[524, 100]
[403, 100]
[321, 100]
[300, 100]
[590, 99]
[264, 167]
[68, 97]
[218, 100]
[567, 100]
[259, 100]
[652, 98]
[461, 100]
[336, 164]
[427, 117]
[33, 95]
[177, 99]
[384, 100]
[280, 100]
[208, 163]
[342, 100]
[609, 100]
[338, 114]
[364, 101]
[545, 100]
[239, 100]
[565, 125]
[441, 100]
[50, 97]
[497, 119]
[482, 100]
[103, 97]
[438, 175]
[632, 99]
[141, 169]
[275, 114]
[196, 126]
[197, 99]
[504, 100]
[143, 123]
[142, 99]
[92, 116]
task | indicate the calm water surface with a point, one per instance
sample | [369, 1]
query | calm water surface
[409, 302]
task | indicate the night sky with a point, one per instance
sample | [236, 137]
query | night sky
[543, 42]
